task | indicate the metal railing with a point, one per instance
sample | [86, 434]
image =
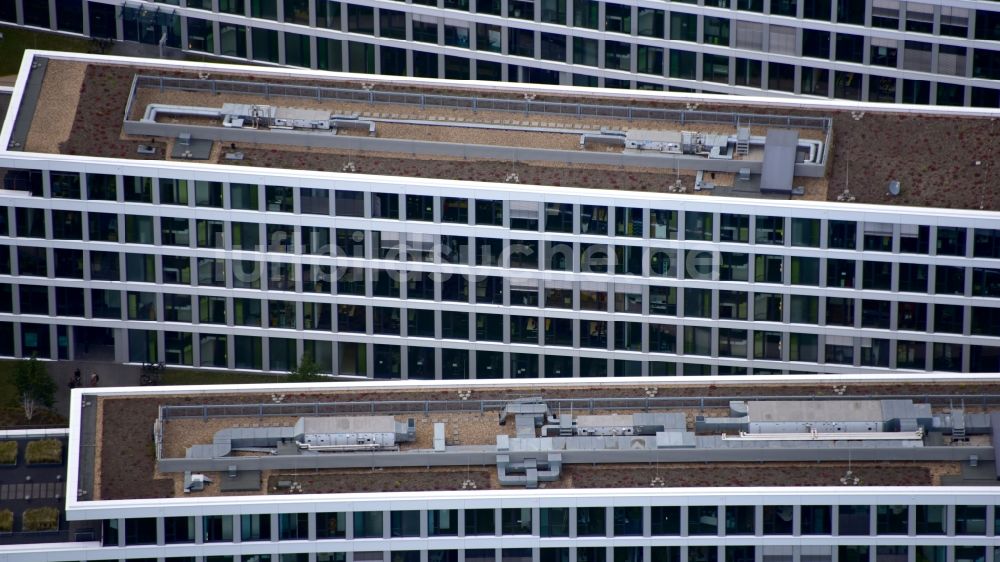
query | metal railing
[526, 107]
[426, 407]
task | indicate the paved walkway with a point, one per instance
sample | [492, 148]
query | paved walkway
[109, 373]
[133, 49]
[33, 490]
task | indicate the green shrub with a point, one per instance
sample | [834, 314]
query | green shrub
[6, 521]
[8, 452]
[40, 519]
[44, 451]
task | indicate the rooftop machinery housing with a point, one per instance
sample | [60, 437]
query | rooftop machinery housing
[932, 52]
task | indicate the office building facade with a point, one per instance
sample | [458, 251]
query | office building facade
[216, 265]
[383, 278]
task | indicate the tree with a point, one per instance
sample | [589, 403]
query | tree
[306, 371]
[29, 404]
[34, 385]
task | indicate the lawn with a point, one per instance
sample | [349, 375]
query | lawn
[215, 377]
[8, 391]
[40, 519]
[11, 412]
[43, 451]
[8, 452]
[15, 41]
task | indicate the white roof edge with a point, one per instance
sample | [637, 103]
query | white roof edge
[15, 100]
[530, 191]
[158, 168]
[628, 95]
[31, 433]
[104, 508]
[720, 380]
[73, 447]
[839, 495]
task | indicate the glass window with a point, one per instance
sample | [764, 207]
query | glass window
[524, 215]
[207, 193]
[176, 308]
[970, 519]
[740, 519]
[842, 235]
[590, 522]
[805, 271]
[840, 273]
[255, 527]
[178, 530]
[34, 299]
[69, 263]
[781, 76]
[480, 521]
[515, 520]
[853, 553]
[703, 520]
[913, 277]
[212, 310]
[876, 275]
[684, 27]
[698, 225]
[385, 206]
[102, 187]
[67, 225]
[420, 208]
[489, 212]
[558, 217]
[734, 228]
[768, 269]
[367, 524]
[65, 185]
[442, 522]
[211, 234]
[665, 520]
[815, 519]
[244, 196]
[404, 524]
[140, 530]
[139, 267]
[892, 519]
[854, 519]
[554, 521]
[931, 519]
[767, 345]
[770, 230]
[172, 192]
[971, 553]
[716, 31]
[331, 525]
[778, 519]
[217, 528]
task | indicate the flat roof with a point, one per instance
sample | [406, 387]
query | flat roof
[122, 466]
[868, 145]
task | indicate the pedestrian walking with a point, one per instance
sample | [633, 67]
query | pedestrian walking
[95, 379]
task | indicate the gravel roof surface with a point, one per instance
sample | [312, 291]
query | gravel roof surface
[128, 470]
[933, 157]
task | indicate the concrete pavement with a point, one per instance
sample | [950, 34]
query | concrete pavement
[110, 374]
